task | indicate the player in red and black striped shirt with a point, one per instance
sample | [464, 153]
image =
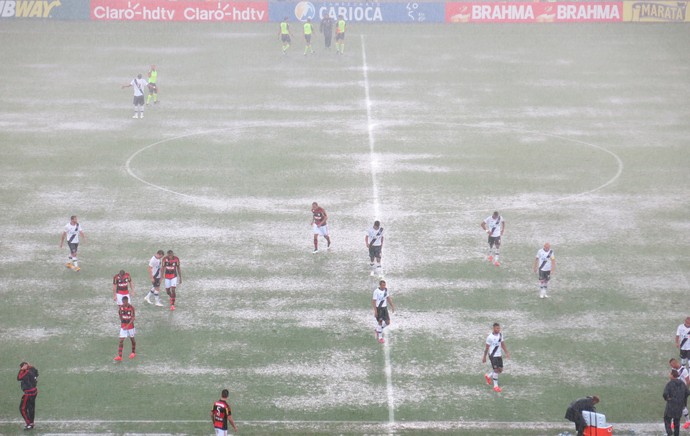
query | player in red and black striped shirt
[122, 282]
[172, 272]
[127, 330]
[221, 415]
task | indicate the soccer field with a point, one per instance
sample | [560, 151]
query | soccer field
[577, 134]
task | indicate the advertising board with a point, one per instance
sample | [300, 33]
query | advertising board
[189, 10]
[512, 12]
[389, 12]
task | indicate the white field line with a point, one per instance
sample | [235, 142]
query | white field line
[619, 164]
[377, 214]
[373, 157]
[637, 427]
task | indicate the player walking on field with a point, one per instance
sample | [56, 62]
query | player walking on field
[380, 302]
[683, 341]
[138, 84]
[152, 86]
[155, 276]
[122, 281]
[28, 379]
[308, 31]
[72, 232]
[374, 242]
[495, 347]
[544, 265]
[340, 35]
[285, 34]
[221, 415]
[319, 224]
[127, 330]
[494, 226]
[172, 272]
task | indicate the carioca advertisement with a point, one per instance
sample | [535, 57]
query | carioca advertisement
[406, 12]
[190, 10]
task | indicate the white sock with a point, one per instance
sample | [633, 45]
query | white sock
[158, 298]
[495, 379]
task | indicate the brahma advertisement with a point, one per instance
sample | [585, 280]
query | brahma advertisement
[165, 10]
[388, 12]
[509, 12]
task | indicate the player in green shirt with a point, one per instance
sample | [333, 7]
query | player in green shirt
[308, 30]
[152, 85]
[340, 35]
[285, 34]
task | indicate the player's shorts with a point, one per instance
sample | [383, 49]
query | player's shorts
[152, 88]
[382, 314]
[340, 36]
[127, 333]
[285, 38]
[119, 298]
[544, 276]
[321, 230]
[496, 362]
[308, 38]
[171, 283]
[138, 100]
[685, 354]
[156, 283]
[221, 432]
[494, 240]
[375, 251]
[73, 246]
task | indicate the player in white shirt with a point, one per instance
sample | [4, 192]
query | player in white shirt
[72, 232]
[494, 226]
[684, 376]
[495, 347]
[155, 276]
[683, 341]
[374, 242]
[380, 302]
[544, 264]
[139, 84]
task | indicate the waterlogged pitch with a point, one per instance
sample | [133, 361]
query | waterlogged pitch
[577, 134]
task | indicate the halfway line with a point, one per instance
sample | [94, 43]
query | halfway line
[373, 159]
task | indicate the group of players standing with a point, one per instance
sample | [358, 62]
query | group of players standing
[161, 267]
[494, 225]
[325, 27]
[544, 264]
[139, 84]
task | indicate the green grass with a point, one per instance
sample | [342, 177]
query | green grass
[529, 120]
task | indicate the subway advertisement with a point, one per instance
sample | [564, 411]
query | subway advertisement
[53, 9]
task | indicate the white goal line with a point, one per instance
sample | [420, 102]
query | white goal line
[429, 425]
